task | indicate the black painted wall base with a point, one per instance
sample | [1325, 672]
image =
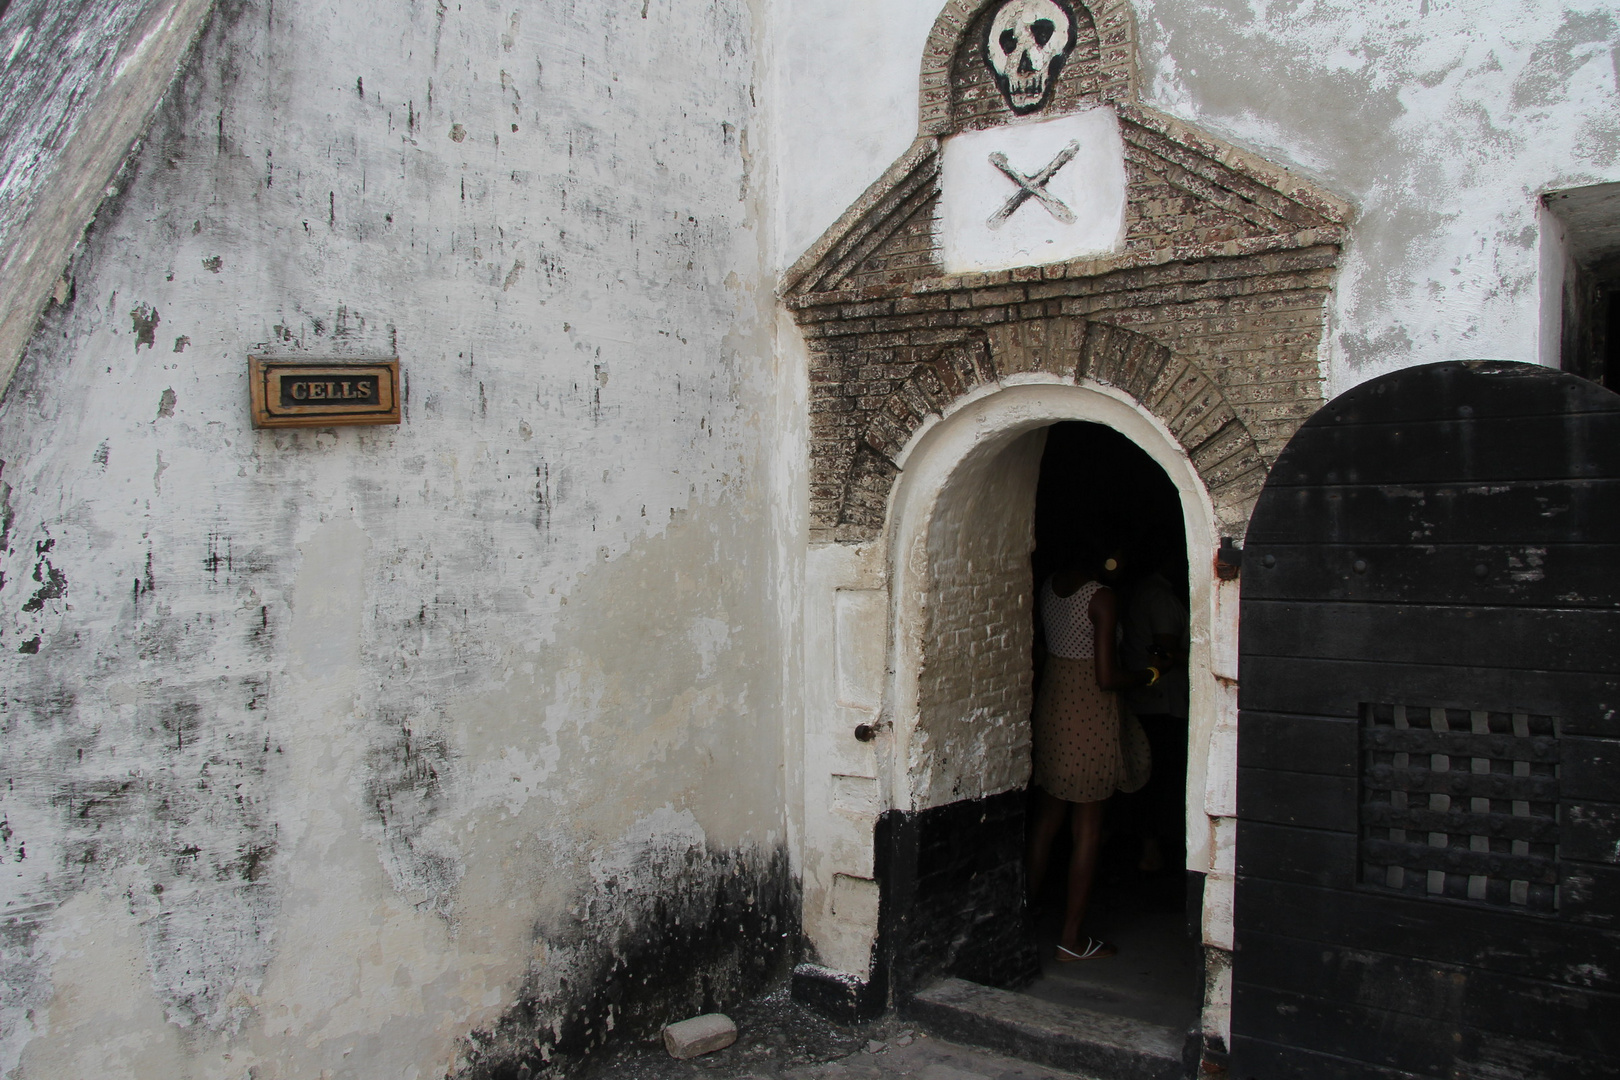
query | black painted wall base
[720, 932]
[951, 902]
[1195, 905]
[952, 880]
[842, 997]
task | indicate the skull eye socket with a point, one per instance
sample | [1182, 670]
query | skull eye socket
[1009, 41]
[1043, 30]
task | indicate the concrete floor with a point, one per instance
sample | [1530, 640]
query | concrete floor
[1157, 976]
[778, 1039]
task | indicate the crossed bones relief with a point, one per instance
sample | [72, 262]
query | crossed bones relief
[1033, 187]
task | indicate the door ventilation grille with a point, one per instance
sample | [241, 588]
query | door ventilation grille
[1460, 804]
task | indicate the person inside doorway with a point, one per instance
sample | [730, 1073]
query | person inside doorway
[1078, 763]
[1155, 633]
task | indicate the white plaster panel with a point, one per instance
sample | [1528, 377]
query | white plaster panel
[1220, 792]
[1217, 921]
[1225, 860]
[1216, 1020]
[856, 795]
[1223, 650]
[855, 898]
[845, 945]
[861, 618]
[976, 230]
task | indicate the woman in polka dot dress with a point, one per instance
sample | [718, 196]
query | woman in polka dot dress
[1077, 755]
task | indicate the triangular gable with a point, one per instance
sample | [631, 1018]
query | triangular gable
[1190, 195]
[1215, 330]
[909, 186]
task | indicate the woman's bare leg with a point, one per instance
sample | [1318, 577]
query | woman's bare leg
[1087, 826]
[1042, 832]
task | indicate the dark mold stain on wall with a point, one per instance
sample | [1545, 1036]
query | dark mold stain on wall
[143, 324]
[52, 582]
[722, 927]
[154, 765]
[405, 788]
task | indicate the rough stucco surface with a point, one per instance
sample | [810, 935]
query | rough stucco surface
[392, 751]
[81, 79]
[57, 55]
[1443, 125]
[1442, 121]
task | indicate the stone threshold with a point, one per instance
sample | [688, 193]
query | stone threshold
[1081, 1040]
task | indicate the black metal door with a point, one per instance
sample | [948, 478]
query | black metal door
[1428, 848]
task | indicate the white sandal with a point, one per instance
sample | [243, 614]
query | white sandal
[1095, 949]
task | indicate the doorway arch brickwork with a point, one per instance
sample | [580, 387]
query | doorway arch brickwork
[1173, 389]
[1195, 337]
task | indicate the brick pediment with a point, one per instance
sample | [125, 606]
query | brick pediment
[1189, 196]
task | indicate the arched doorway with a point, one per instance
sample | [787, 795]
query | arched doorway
[1196, 334]
[961, 677]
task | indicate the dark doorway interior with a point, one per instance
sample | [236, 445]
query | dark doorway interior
[1098, 485]
[1098, 488]
[1590, 332]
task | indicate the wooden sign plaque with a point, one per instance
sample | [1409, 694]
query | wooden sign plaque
[323, 393]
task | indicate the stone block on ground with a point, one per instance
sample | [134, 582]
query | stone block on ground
[699, 1035]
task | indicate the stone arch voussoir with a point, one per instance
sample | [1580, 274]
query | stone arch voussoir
[1171, 387]
[929, 390]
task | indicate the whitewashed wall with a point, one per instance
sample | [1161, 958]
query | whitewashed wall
[1441, 120]
[331, 752]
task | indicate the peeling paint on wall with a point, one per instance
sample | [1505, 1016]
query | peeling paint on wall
[451, 746]
[1442, 125]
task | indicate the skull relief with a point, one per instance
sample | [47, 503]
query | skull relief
[1026, 45]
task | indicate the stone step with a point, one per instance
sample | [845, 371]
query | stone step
[1061, 1036]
